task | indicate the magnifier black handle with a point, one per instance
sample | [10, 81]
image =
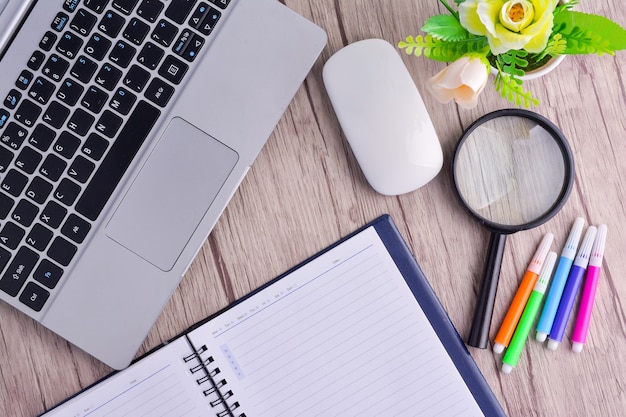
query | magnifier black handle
[479, 333]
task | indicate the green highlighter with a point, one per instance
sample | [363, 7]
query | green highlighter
[528, 316]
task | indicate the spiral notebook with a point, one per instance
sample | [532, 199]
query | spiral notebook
[354, 331]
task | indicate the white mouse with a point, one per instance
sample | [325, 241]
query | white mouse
[383, 116]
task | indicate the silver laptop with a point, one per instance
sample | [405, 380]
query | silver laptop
[125, 128]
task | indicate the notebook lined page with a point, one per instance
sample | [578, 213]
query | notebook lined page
[160, 385]
[343, 335]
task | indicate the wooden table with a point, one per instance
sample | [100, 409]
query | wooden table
[306, 190]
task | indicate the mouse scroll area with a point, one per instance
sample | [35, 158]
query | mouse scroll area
[383, 117]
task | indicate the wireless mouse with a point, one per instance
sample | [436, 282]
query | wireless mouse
[383, 117]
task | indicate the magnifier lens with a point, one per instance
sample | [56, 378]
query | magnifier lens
[510, 171]
[513, 170]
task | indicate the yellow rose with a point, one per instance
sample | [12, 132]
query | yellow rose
[463, 81]
[512, 24]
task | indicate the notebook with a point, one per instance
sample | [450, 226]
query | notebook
[125, 128]
[354, 331]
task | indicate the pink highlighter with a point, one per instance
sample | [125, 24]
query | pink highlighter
[579, 336]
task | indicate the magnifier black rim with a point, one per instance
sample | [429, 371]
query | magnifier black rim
[568, 159]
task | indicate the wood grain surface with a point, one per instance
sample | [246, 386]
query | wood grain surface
[306, 190]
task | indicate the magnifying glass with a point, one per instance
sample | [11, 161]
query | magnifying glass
[513, 170]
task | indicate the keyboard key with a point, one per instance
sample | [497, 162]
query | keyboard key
[62, 251]
[150, 56]
[75, 228]
[209, 21]
[28, 160]
[98, 46]
[24, 80]
[125, 6]
[34, 296]
[11, 235]
[6, 204]
[123, 101]
[70, 5]
[159, 92]
[12, 98]
[6, 157]
[198, 15]
[55, 67]
[52, 167]
[25, 213]
[108, 76]
[48, 273]
[70, 92]
[173, 69]
[56, 114]
[164, 33]
[53, 214]
[59, 21]
[14, 183]
[94, 99]
[42, 137]
[108, 124]
[67, 192]
[4, 118]
[150, 9]
[66, 145]
[16, 274]
[80, 122]
[114, 165]
[83, 22]
[136, 78]
[220, 3]
[39, 190]
[47, 41]
[5, 256]
[122, 53]
[39, 237]
[13, 136]
[178, 10]
[36, 60]
[81, 169]
[69, 45]
[42, 90]
[83, 69]
[136, 31]
[97, 6]
[95, 146]
[27, 113]
[111, 24]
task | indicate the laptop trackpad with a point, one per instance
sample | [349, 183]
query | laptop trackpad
[171, 194]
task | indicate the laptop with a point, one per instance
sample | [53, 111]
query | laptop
[125, 128]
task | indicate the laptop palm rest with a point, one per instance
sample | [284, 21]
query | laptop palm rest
[171, 194]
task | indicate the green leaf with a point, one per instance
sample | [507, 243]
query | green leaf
[511, 89]
[589, 33]
[445, 27]
[440, 50]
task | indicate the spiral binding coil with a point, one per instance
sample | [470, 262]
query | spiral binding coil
[217, 387]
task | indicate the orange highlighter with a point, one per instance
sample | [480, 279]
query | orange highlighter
[521, 296]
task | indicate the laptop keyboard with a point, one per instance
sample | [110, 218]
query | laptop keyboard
[75, 118]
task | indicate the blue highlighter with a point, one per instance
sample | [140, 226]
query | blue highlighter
[558, 282]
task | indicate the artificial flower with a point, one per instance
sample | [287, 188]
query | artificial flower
[513, 24]
[463, 81]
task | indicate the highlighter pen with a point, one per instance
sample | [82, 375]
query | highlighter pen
[521, 296]
[571, 289]
[558, 282]
[579, 336]
[514, 350]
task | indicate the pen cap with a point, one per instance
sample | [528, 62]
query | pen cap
[540, 255]
[582, 259]
[546, 273]
[569, 250]
[597, 251]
